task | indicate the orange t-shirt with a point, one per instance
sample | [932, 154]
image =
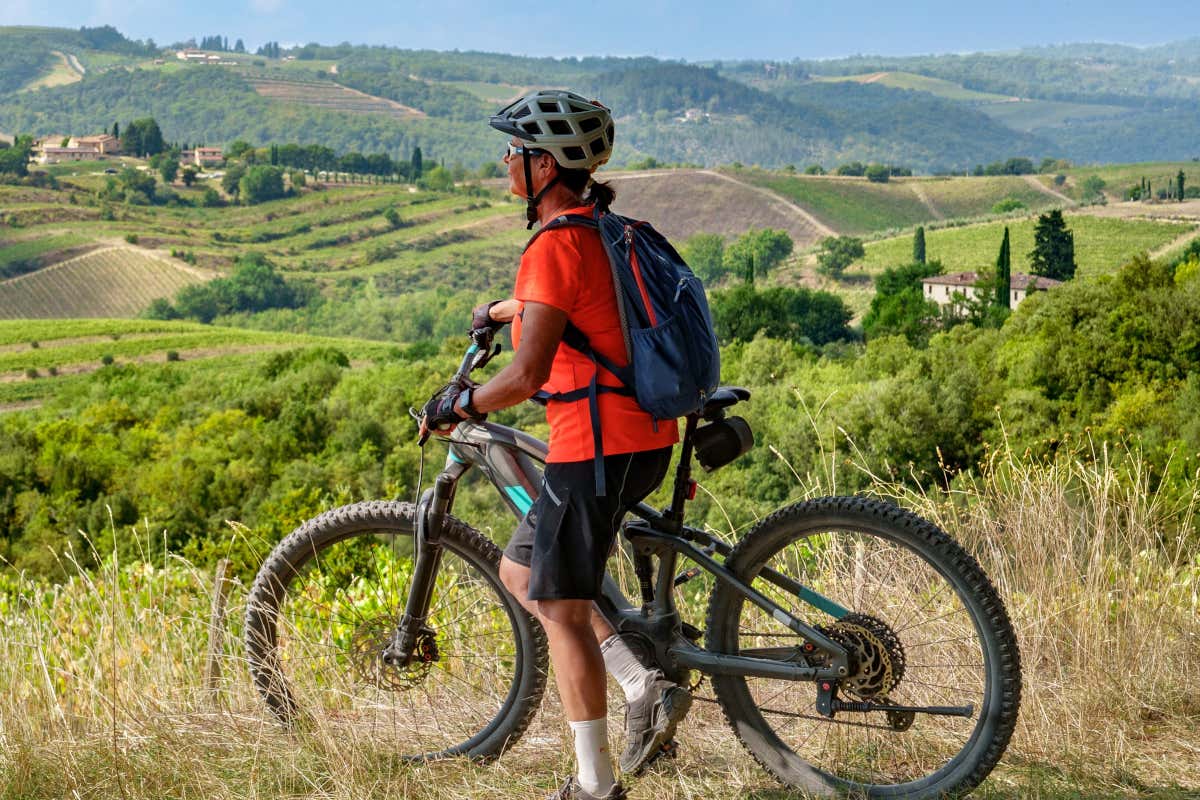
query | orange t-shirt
[567, 268]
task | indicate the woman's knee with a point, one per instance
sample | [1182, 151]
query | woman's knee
[571, 613]
[515, 577]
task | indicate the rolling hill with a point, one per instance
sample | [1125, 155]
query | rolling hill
[937, 113]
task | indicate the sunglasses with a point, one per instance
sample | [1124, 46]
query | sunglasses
[516, 150]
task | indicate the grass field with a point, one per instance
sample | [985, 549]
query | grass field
[60, 74]
[324, 94]
[1101, 244]
[973, 197]
[39, 358]
[920, 83]
[110, 282]
[490, 92]
[851, 206]
[106, 694]
[1027, 115]
[17, 251]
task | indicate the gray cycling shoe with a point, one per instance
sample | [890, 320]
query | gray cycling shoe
[650, 723]
[571, 790]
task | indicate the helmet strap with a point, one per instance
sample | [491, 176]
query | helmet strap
[531, 200]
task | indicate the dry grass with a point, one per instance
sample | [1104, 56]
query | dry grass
[104, 692]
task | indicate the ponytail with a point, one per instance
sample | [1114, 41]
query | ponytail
[594, 193]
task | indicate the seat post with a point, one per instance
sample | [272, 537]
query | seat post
[683, 475]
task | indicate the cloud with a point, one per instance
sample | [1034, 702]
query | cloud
[266, 6]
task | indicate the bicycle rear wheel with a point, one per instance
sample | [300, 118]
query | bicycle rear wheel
[926, 629]
[325, 604]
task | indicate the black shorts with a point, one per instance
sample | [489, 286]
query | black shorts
[567, 536]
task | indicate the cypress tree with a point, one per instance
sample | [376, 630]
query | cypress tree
[417, 164]
[1004, 274]
[117, 130]
[1053, 254]
[919, 245]
[1179, 186]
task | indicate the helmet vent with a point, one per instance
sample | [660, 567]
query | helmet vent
[574, 153]
[611, 137]
[523, 111]
[597, 146]
[589, 124]
[551, 106]
[531, 127]
[559, 126]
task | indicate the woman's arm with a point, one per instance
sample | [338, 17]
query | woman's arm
[542, 329]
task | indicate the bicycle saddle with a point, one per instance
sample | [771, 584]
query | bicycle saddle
[724, 397]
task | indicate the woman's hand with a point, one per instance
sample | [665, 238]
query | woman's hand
[495, 314]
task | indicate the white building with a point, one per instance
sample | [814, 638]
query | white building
[942, 289]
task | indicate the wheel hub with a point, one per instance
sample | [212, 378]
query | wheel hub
[367, 644]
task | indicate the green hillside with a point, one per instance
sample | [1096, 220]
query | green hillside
[1101, 244]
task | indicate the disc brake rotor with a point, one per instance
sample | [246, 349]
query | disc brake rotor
[367, 645]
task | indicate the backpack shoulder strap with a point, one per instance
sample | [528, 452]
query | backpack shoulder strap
[564, 221]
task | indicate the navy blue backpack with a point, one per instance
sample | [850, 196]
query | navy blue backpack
[674, 362]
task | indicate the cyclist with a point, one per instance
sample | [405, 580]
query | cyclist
[555, 562]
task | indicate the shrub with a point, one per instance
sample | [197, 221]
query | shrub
[31, 373]
[52, 371]
[1008, 204]
[172, 355]
[132, 238]
[106, 359]
[35, 344]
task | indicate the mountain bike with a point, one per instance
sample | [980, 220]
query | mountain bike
[853, 647]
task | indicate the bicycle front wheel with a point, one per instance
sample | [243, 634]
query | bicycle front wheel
[925, 630]
[325, 605]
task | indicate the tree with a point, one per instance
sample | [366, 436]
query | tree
[238, 148]
[919, 245]
[1179, 182]
[189, 175]
[15, 160]
[437, 179]
[142, 137]
[232, 179]
[417, 164]
[704, 253]
[837, 253]
[779, 312]
[116, 130]
[261, 183]
[878, 173]
[1093, 188]
[899, 306]
[239, 46]
[814, 169]
[757, 252]
[1003, 292]
[169, 168]
[1053, 254]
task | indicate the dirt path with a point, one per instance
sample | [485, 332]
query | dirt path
[1046, 190]
[1179, 242]
[73, 62]
[776, 199]
[919, 191]
[416, 112]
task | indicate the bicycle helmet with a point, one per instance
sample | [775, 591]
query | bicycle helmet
[576, 132]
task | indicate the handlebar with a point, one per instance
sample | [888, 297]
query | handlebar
[479, 353]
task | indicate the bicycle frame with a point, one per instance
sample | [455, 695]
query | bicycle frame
[512, 461]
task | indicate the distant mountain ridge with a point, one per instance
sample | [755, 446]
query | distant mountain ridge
[1082, 102]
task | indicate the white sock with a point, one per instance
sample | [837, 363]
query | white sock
[594, 769]
[623, 665]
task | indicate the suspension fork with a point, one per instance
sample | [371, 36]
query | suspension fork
[431, 514]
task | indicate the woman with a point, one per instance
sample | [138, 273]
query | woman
[555, 562]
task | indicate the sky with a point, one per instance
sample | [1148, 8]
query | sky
[701, 30]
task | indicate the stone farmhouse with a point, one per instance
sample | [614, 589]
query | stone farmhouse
[949, 289]
[50, 150]
[202, 156]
